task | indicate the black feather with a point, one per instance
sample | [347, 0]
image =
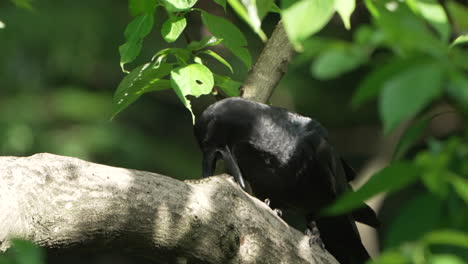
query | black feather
[288, 159]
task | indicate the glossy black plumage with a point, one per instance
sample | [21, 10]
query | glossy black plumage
[288, 159]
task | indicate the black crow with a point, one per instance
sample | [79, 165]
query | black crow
[288, 159]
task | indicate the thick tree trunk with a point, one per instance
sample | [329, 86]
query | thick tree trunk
[62, 202]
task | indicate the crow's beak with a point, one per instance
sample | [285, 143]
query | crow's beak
[231, 166]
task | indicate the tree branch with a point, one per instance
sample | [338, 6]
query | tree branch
[62, 202]
[269, 68]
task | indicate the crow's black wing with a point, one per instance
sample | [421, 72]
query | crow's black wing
[339, 233]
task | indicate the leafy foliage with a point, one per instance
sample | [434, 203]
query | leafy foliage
[22, 252]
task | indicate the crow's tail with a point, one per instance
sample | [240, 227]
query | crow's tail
[342, 240]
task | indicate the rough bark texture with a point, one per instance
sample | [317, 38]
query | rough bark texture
[269, 68]
[63, 202]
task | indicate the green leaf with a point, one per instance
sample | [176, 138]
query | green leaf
[182, 55]
[252, 12]
[172, 28]
[134, 34]
[218, 58]
[337, 61]
[461, 186]
[445, 259]
[265, 6]
[194, 79]
[275, 8]
[370, 87]
[389, 179]
[223, 29]
[221, 3]
[139, 27]
[25, 4]
[178, 5]
[463, 39]
[415, 218]
[407, 93]
[390, 257]
[138, 7]
[306, 17]
[145, 78]
[345, 8]
[458, 89]
[128, 52]
[459, 15]
[227, 85]
[247, 10]
[447, 237]
[26, 252]
[403, 30]
[233, 39]
[205, 42]
[433, 13]
[242, 53]
[413, 133]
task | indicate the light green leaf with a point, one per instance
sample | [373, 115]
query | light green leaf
[247, 10]
[128, 52]
[134, 34]
[337, 61]
[182, 55]
[407, 93]
[390, 257]
[205, 42]
[389, 179]
[460, 185]
[25, 4]
[138, 7]
[445, 259]
[145, 78]
[194, 79]
[223, 29]
[218, 58]
[139, 27]
[447, 237]
[275, 8]
[306, 17]
[433, 13]
[227, 85]
[252, 12]
[345, 8]
[413, 133]
[463, 39]
[178, 5]
[2, 25]
[172, 28]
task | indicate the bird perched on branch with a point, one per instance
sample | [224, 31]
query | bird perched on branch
[288, 159]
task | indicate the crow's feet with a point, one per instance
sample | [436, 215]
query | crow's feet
[314, 234]
[276, 210]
